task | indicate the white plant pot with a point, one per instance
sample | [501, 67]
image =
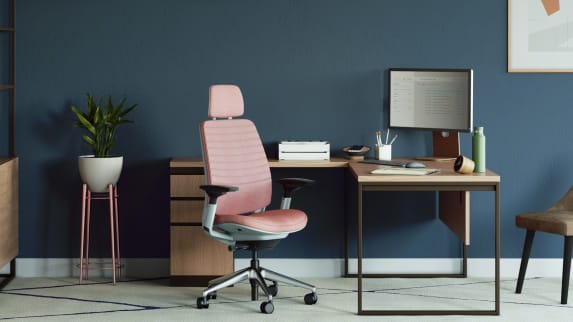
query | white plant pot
[98, 173]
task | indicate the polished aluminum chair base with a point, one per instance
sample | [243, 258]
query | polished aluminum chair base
[258, 277]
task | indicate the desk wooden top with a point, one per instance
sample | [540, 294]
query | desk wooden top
[361, 171]
[273, 163]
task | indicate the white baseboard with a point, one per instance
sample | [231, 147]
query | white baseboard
[66, 267]
[478, 267]
[301, 267]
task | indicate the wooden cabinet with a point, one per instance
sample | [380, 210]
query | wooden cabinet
[8, 216]
[8, 73]
[196, 258]
[8, 165]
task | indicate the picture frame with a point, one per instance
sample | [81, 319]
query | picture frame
[537, 39]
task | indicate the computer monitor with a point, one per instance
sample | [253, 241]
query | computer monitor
[431, 99]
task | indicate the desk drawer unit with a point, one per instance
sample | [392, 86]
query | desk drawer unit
[195, 258]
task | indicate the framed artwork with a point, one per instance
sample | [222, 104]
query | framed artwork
[539, 36]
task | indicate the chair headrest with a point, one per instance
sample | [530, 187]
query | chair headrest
[225, 101]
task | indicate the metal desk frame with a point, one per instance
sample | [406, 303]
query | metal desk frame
[446, 180]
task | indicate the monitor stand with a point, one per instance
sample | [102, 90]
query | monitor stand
[446, 146]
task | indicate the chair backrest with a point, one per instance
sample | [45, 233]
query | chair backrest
[565, 203]
[233, 154]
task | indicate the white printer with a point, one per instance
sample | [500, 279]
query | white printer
[304, 150]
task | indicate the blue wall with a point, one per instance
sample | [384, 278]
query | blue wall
[308, 70]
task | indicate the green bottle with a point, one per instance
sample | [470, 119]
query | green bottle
[478, 149]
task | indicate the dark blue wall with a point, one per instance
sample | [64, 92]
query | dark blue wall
[308, 70]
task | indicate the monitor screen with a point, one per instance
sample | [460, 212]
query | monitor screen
[432, 99]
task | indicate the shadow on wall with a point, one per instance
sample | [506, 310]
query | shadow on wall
[143, 212]
[59, 220]
[59, 194]
[144, 209]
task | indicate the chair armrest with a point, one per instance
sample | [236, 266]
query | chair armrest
[215, 191]
[290, 185]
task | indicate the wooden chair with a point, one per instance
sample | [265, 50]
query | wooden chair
[556, 220]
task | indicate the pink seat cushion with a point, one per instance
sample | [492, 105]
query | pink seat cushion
[274, 221]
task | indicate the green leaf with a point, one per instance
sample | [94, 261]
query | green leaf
[85, 123]
[88, 139]
[101, 120]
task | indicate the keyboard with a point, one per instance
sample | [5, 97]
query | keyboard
[394, 163]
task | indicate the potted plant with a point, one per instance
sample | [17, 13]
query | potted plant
[101, 120]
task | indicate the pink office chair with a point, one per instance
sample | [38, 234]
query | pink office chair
[238, 190]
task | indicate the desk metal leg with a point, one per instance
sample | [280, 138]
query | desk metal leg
[463, 274]
[359, 237]
[497, 250]
[346, 228]
[496, 310]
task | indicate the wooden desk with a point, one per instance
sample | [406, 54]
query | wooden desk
[195, 258]
[445, 180]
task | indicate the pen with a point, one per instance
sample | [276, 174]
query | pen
[394, 139]
[387, 133]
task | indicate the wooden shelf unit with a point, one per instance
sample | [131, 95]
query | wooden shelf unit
[9, 165]
[10, 65]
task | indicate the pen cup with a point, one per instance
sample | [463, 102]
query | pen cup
[383, 152]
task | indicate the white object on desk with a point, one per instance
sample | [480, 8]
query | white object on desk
[383, 152]
[404, 171]
[304, 150]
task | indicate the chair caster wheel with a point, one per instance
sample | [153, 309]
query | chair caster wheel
[274, 289]
[310, 298]
[267, 307]
[212, 296]
[202, 303]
